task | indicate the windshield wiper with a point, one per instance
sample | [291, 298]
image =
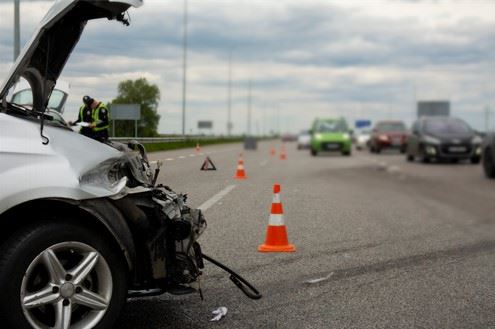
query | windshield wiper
[28, 111]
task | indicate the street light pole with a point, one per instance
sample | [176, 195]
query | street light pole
[17, 29]
[249, 101]
[229, 96]
[184, 67]
[487, 119]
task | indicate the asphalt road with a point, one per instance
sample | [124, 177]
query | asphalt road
[401, 245]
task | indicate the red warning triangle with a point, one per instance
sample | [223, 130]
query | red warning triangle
[208, 165]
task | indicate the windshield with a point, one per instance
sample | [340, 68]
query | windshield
[391, 126]
[25, 97]
[451, 126]
[331, 126]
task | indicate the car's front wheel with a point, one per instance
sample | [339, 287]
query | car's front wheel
[60, 275]
[314, 152]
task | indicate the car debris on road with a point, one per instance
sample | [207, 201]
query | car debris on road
[219, 313]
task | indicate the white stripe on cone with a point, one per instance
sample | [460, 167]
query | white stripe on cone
[276, 220]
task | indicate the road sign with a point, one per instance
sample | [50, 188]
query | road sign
[362, 123]
[433, 108]
[205, 124]
[125, 112]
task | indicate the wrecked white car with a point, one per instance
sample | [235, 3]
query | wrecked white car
[83, 223]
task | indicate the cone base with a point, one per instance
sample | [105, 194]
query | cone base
[267, 248]
[240, 177]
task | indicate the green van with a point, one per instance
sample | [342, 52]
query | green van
[331, 135]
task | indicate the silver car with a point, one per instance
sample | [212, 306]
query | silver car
[83, 224]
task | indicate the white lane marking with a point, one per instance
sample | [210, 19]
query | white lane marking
[393, 169]
[182, 157]
[217, 197]
[192, 155]
[169, 159]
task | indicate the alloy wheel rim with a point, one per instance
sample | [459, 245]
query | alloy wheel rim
[68, 285]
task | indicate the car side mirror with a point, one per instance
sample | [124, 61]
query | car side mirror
[310, 131]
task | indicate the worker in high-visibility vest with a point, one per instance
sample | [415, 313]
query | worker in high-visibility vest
[97, 118]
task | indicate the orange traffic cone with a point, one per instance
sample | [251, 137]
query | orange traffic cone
[276, 233]
[283, 153]
[198, 149]
[273, 152]
[240, 173]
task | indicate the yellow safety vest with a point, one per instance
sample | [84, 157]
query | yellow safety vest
[96, 116]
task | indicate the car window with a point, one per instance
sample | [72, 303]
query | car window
[56, 99]
[331, 126]
[391, 126]
[25, 97]
[451, 126]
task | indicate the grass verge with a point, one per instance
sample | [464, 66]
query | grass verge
[155, 147]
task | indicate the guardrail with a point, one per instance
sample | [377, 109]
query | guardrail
[153, 140]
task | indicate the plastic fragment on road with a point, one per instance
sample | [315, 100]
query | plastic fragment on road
[313, 281]
[219, 313]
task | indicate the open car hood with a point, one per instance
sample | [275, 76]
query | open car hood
[44, 56]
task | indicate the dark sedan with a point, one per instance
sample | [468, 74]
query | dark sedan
[443, 138]
[489, 155]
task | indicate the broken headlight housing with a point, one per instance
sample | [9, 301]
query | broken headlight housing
[107, 176]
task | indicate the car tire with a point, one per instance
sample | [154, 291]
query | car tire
[489, 164]
[475, 160]
[424, 157]
[314, 152]
[24, 272]
[378, 150]
[346, 153]
[403, 150]
[410, 157]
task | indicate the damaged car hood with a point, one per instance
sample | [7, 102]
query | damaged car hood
[45, 55]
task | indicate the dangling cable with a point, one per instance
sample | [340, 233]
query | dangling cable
[46, 140]
[238, 280]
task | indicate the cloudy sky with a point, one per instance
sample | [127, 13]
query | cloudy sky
[305, 58]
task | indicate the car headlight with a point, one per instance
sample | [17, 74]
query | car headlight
[106, 176]
[346, 136]
[476, 140]
[383, 137]
[318, 136]
[431, 150]
[431, 140]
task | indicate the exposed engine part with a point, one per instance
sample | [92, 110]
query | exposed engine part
[174, 249]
